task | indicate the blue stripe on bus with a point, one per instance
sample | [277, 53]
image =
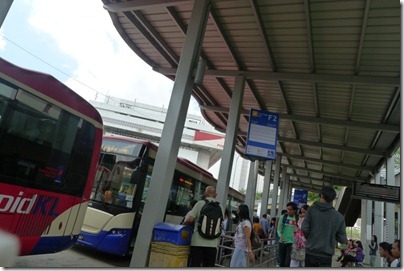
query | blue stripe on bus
[53, 244]
[106, 241]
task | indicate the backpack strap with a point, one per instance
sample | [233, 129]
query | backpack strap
[285, 216]
[206, 202]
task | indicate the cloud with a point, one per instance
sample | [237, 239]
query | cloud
[84, 31]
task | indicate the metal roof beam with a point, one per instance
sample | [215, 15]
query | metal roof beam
[309, 37]
[263, 35]
[304, 77]
[338, 176]
[327, 162]
[328, 121]
[142, 4]
[340, 182]
[332, 146]
[138, 20]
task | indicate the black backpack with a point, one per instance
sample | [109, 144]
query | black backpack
[210, 220]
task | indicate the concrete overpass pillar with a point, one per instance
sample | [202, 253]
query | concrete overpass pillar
[203, 159]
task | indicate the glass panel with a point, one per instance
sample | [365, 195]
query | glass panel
[46, 153]
[118, 189]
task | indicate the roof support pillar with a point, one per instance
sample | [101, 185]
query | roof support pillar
[274, 211]
[222, 188]
[163, 172]
[4, 8]
[267, 183]
[251, 187]
[283, 196]
[390, 207]
[364, 228]
[379, 217]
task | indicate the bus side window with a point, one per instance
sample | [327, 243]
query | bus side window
[46, 130]
[3, 106]
[32, 131]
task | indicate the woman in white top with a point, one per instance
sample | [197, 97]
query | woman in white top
[242, 242]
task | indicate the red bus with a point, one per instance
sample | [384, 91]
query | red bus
[124, 174]
[50, 140]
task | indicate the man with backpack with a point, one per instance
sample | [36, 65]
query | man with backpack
[208, 216]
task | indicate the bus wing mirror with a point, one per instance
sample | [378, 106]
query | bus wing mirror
[137, 175]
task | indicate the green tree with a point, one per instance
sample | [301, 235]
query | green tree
[312, 197]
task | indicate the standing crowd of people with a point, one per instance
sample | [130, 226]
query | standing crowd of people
[305, 236]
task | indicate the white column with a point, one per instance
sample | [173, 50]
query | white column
[284, 190]
[281, 204]
[289, 189]
[155, 205]
[222, 187]
[267, 182]
[364, 228]
[379, 215]
[390, 207]
[370, 227]
[251, 187]
[274, 211]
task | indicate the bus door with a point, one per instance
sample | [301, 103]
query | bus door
[140, 177]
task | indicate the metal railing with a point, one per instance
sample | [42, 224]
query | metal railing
[265, 256]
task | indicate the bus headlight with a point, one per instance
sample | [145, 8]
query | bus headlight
[118, 231]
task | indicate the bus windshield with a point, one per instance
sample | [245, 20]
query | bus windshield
[120, 147]
[115, 182]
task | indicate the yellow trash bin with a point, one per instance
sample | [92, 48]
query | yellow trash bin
[168, 255]
[170, 246]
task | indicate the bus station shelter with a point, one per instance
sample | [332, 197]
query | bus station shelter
[330, 69]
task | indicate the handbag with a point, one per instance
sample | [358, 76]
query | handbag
[298, 254]
[255, 240]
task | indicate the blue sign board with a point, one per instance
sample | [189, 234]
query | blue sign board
[262, 134]
[300, 197]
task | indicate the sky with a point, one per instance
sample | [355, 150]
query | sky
[75, 41]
